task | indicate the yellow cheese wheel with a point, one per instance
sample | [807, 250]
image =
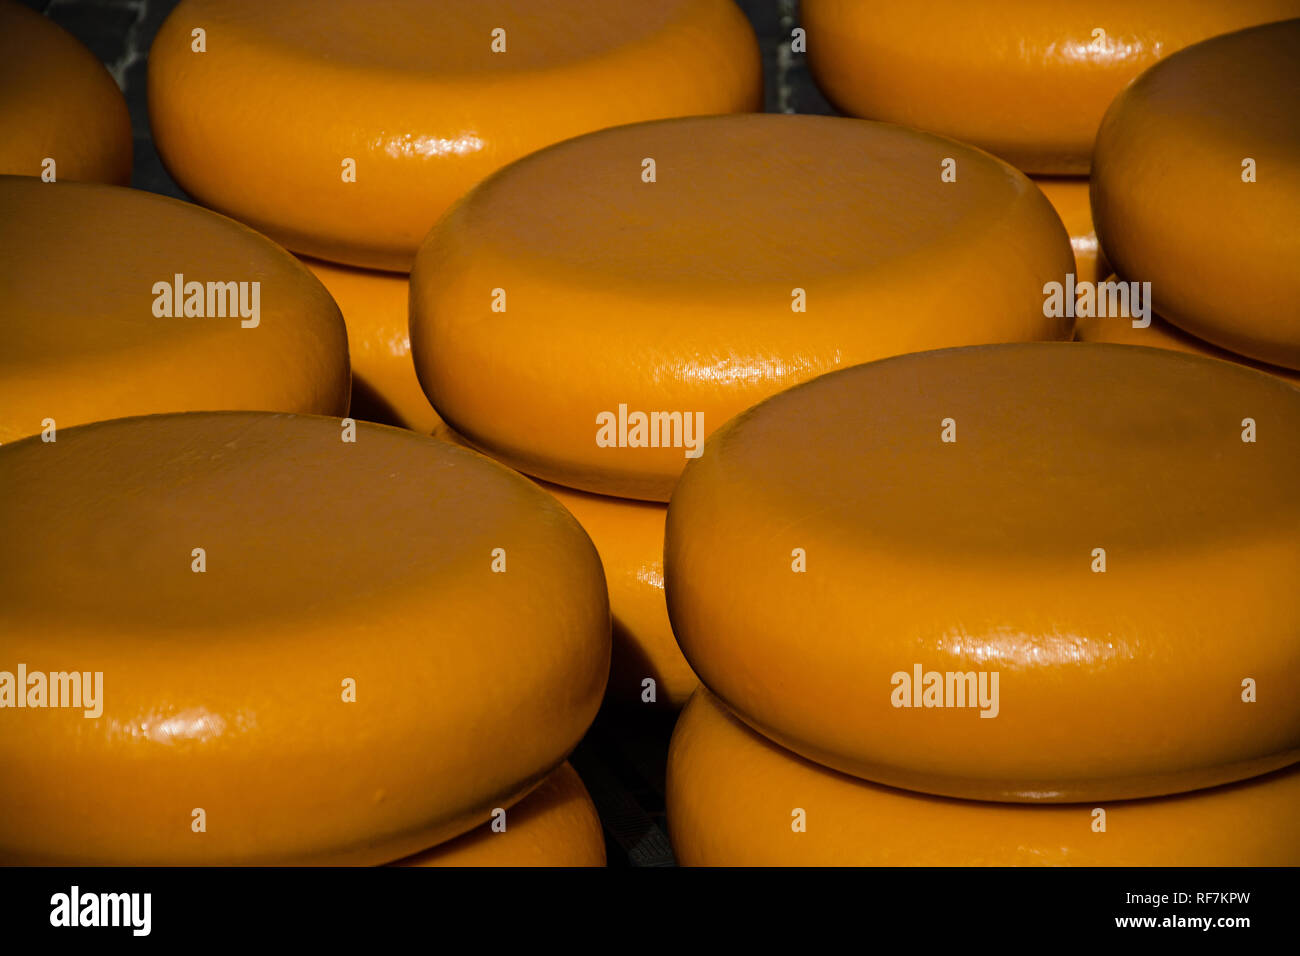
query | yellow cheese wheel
[57, 102]
[629, 536]
[339, 652]
[374, 306]
[1025, 80]
[735, 799]
[1161, 335]
[1047, 571]
[589, 326]
[94, 326]
[344, 130]
[1069, 197]
[555, 825]
[1196, 189]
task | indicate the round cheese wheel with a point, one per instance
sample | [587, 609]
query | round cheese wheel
[118, 302]
[1161, 335]
[63, 116]
[1069, 197]
[555, 825]
[629, 536]
[1049, 571]
[319, 650]
[736, 799]
[1025, 81]
[344, 130]
[374, 306]
[1196, 189]
[592, 311]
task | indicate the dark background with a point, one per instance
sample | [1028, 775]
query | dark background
[622, 758]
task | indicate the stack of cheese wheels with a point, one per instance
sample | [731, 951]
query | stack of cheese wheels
[249, 637]
[347, 144]
[61, 113]
[591, 312]
[1197, 193]
[119, 302]
[1021, 574]
[1025, 81]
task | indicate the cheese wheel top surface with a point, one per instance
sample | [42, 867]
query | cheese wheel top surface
[423, 99]
[1197, 190]
[555, 825]
[732, 796]
[1083, 524]
[94, 327]
[1026, 80]
[568, 294]
[234, 576]
[57, 102]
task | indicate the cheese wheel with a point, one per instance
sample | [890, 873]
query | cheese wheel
[302, 637]
[629, 536]
[97, 281]
[1069, 197]
[374, 306]
[589, 326]
[555, 825]
[1197, 190]
[1049, 571]
[344, 130]
[1026, 81]
[1161, 335]
[734, 797]
[59, 104]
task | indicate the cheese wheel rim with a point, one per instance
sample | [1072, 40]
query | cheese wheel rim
[733, 795]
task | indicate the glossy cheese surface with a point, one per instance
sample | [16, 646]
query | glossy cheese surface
[732, 796]
[1026, 80]
[1170, 199]
[259, 125]
[86, 330]
[374, 306]
[555, 825]
[567, 293]
[1069, 197]
[1161, 335]
[226, 688]
[629, 536]
[58, 102]
[1098, 536]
